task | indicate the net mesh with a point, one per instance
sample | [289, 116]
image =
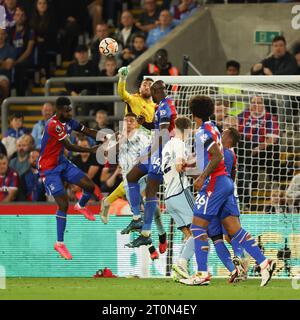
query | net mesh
[267, 116]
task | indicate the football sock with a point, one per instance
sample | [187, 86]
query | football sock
[237, 249]
[245, 240]
[134, 197]
[224, 254]
[201, 247]
[162, 238]
[86, 196]
[150, 207]
[188, 249]
[159, 225]
[61, 221]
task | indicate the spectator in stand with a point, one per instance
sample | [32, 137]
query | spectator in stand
[101, 33]
[277, 204]
[31, 185]
[110, 70]
[2, 149]
[95, 9]
[221, 113]
[113, 7]
[38, 129]
[111, 177]
[87, 162]
[148, 18]
[21, 37]
[236, 107]
[165, 25]
[281, 62]
[231, 122]
[7, 60]
[138, 48]
[45, 28]
[74, 20]
[232, 68]
[102, 121]
[20, 163]
[258, 148]
[29, 142]
[82, 67]
[16, 129]
[297, 57]
[293, 195]
[10, 10]
[126, 34]
[184, 9]
[9, 181]
[160, 67]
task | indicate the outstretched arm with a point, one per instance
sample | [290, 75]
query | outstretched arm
[122, 92]
[72, 147]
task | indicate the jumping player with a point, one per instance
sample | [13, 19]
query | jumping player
[55, 169]
[164, 124]
[179, 201]
[129, 148]
[216, 197]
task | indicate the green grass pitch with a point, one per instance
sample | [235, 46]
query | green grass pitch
[141, 289]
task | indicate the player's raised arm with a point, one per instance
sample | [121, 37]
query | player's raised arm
[72, 147]
[122, 92]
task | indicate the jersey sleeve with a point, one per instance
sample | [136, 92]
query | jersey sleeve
[57, 131]
[207, 140]
[165, 114]
[123, 93]
[76, 126]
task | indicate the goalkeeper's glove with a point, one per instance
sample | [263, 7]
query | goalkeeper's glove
[123, 72]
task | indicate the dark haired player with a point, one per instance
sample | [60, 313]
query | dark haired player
[55, 169]
[216, 197]
[230, 139]
[164, 124]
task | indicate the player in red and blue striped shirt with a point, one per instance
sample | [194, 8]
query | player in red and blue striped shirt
[55, 169]
[216, 197]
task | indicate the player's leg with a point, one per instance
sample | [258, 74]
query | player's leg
[241, 236]
[88, 187]
[134, 195]
[180, 210]
[207, 206]
[74, 175]
[239, 259]
[61, 221]
[216, 235]
[180, 268]
[162, 235]
[118, 193]
[151, 203]
[54, 187]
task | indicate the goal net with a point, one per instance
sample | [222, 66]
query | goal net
[265, 110]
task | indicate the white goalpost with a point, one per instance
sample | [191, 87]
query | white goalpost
[265, 110]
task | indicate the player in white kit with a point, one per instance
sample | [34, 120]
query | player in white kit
[178, 197]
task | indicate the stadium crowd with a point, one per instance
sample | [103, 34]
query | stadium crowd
[31, 42]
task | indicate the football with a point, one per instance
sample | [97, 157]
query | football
[108, 47]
